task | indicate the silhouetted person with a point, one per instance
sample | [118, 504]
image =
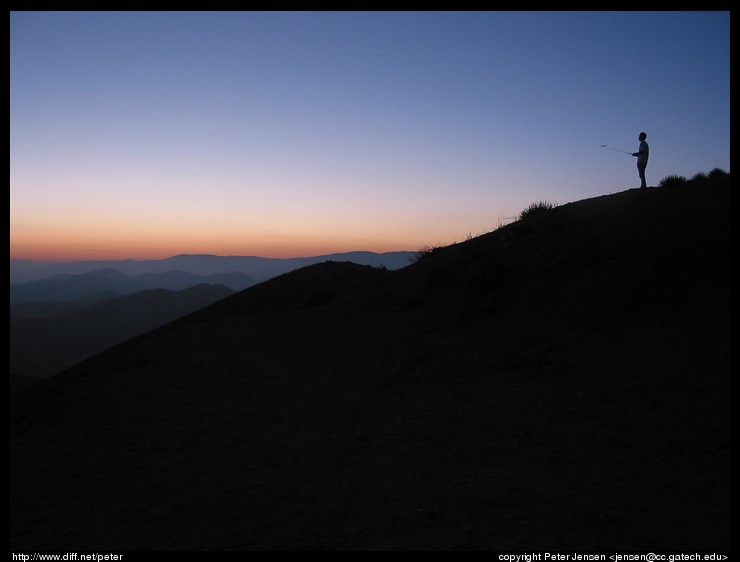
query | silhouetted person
[642, 158]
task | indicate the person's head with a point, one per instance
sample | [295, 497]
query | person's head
[642, 136]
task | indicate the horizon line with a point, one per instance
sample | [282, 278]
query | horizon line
[200, 254]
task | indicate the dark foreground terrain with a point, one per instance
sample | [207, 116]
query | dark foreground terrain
[560, 383]
[41, 347]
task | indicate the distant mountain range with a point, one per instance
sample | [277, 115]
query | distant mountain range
[257, 268]
[45, 346]
[97, 283]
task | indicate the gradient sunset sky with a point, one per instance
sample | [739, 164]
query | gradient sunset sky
[281, 134]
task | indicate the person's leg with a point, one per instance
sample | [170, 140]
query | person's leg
[641, 172]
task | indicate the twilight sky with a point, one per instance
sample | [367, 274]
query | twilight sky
[149, 134]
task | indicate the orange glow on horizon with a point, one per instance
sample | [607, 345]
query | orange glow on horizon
[70, 248]
[112, 238]
[60, 255]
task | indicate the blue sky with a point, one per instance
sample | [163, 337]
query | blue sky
[149, 134]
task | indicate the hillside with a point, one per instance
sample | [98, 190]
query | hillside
[47, 309]
[561, 383]
[42, 347]
[66, 288]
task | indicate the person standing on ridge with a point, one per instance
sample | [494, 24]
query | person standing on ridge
[642, 158]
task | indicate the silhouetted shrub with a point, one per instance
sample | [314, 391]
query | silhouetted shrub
[675, 180]
[717, 173]
[424, 252]
[536, 209]
[672, 180]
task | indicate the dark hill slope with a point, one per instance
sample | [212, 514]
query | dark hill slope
[561, 383]
[44, 346]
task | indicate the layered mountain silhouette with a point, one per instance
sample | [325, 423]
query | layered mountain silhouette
[46, 309]
[254, 267]
[560, 383]
[101, 283]
[42, 347]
